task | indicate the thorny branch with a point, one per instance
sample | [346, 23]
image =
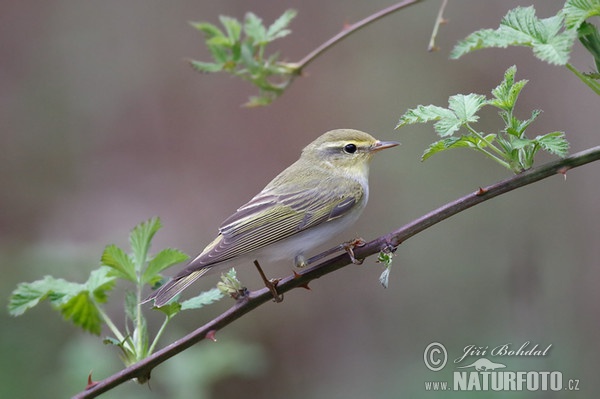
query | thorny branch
[257, 298]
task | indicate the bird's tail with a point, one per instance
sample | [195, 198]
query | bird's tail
[164, 294]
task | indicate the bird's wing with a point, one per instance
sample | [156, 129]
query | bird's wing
[274, 215]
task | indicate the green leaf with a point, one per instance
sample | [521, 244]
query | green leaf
[521, 27]
[140, 239]
[164, 259]
[205, 298]
[120, 263]
[590, 38]
[28, 295]
[170, 309]
[457, 142]
[206, 67]
[62, 293]
[278, 28]
[507, 92]
[577, 11]
[465, 107]
[523, 125]
[555, 143]
[208, 29]
[462, 110]
[82, 311]
[82, 308]
[430, 113]
[100, 282]
[254, 29]
[232, 27]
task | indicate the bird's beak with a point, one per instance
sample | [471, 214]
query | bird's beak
[381, 145]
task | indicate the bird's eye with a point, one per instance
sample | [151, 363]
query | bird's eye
[350, 148]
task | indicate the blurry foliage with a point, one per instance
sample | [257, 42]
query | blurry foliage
[551, 39]
[82, 303]
[240, 51]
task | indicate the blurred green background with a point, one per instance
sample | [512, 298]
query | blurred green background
[103, 125]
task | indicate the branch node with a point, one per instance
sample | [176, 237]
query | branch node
[481, 191]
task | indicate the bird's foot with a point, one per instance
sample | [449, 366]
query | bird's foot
[349, 248]
[271, 284]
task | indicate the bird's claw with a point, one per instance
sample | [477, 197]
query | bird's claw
[349, 248]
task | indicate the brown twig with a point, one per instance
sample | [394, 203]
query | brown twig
[348, 31]
[438, 21]
[254, 299]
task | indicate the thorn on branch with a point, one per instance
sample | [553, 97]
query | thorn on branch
[90, 383]
[563, 171]
[481, 192]
[211, 335]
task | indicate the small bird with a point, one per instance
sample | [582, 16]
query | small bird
[317, 197]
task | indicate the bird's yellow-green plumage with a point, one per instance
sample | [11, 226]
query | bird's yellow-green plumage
[312, 200]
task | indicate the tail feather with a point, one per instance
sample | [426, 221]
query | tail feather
[164, 294]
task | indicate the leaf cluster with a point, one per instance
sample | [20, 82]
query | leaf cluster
[551, 39]
[510, 147]
[239, 49]
[82, 303]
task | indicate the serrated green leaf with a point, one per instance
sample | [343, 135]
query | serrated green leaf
[206, 67]
[205, 298]
[438, 146]
[28, 295]
[447, 126]
[278, 28]
[507, 92]
[170, 309]
[523, 125]
[556, 51]
[232, 27]
[469, 141]
[447, 122]
[218, 42]
[519, 144]
[119, 262]
[208, 29]
[590, 38]
[555, 143]
[99, 284]
[82, 312]
[254, 29]
[521, 27]
[577, 11]
[164, 259]
[465, 107]
[481, 39]
[140, 238]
